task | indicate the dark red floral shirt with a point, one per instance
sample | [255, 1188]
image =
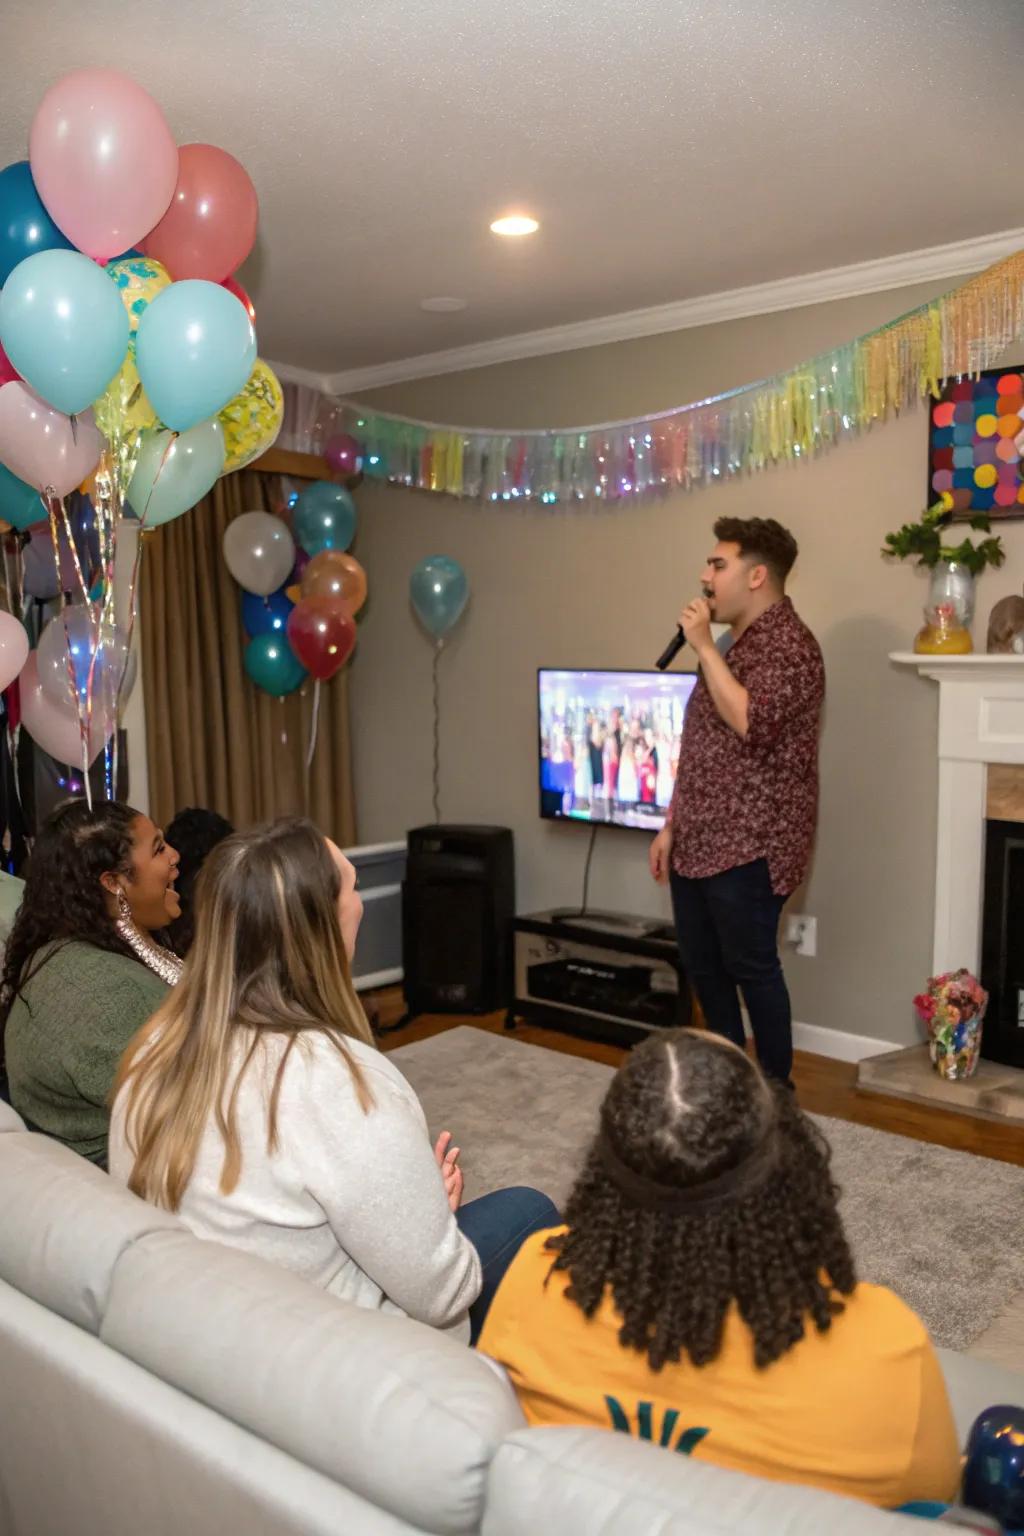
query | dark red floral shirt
[737, 798]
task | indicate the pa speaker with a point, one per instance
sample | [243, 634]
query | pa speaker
[458, 902]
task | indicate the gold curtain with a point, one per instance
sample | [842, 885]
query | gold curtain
[213, 739]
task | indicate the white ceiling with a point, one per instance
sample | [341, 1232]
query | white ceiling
[670, 148]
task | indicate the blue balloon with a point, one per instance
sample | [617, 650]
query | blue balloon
[25, 226]
[266, 615]
[324, 518]
[439, 590]
[271, 663]
[994, 1467]
[64, 327]
[195, 349]
[20, 505]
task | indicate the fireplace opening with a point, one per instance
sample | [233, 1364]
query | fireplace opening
[1002, 943]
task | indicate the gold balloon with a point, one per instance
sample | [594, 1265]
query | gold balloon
[124, 407]
[253, 419]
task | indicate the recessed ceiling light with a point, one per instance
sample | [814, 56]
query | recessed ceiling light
[515, 224]
[442, 306]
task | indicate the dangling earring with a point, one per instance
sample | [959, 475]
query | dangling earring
[124, 911]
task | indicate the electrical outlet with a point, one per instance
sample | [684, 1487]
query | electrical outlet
[802, 933]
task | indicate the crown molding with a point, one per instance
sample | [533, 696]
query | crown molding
[935, 263]
[289, 374]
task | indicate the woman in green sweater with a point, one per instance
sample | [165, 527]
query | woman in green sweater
[83, 970]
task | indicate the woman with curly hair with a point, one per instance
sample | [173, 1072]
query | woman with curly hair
[702, 1295]
[84, 967]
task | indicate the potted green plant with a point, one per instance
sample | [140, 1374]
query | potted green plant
[949, 610]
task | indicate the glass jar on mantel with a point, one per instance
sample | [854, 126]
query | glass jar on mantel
[948, 613]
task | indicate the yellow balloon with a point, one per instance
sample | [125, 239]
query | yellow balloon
[138, 280]
[124, 405]
[252, 420]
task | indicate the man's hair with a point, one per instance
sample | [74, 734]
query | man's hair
[762, 540]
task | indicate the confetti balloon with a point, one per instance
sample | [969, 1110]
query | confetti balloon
[252, 420]
[138, 280]
[124, 408]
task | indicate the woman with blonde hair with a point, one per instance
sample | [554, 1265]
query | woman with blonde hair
[255, 1104]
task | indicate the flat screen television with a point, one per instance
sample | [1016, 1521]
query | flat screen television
[609, 744]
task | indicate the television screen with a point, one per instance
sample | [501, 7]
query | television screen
[609, 744]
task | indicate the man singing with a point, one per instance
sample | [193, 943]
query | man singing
[737, 838]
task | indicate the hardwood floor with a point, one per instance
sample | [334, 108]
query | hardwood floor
[824, 1086]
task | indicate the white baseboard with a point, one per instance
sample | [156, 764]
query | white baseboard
[837, 1044]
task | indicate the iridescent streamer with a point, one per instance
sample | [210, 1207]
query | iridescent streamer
[788, 417]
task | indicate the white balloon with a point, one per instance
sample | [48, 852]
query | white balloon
[259, 551]
[54, 727]
[13, 648]
[75, 634]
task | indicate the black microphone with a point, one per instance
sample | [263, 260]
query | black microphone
[671, 650]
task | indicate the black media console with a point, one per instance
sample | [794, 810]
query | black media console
[601, 974]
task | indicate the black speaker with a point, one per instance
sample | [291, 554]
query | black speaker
[458, 902]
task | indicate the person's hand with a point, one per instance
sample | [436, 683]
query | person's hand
[447, 1160]
[659, 855]
[695, 620]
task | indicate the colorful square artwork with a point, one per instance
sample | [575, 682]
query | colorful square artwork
[973, 462]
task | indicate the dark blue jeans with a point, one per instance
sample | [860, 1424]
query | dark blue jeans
[728, 931]
[497, 1225]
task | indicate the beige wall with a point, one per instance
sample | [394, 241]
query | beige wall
[602, 587]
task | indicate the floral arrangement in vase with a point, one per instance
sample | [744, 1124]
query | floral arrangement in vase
[952, 1008]
[949, 610]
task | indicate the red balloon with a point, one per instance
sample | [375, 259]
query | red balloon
[8, 375]
[344, 454]
[234, 286]
[210, 227]
[322, 636]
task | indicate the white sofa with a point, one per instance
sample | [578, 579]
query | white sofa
[155, 1385]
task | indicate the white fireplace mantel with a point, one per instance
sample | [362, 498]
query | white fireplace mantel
[981, 721]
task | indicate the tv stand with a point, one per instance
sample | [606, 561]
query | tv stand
[607, 975]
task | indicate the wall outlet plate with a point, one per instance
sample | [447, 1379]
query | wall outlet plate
[802, 933]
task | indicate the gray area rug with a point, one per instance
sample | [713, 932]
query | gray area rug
[943, 1229]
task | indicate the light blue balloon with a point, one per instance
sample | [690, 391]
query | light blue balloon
[64, 327]
[272, 664]
[439, 590]
[195, 349]
[20, 505]
[324, 517]
[174, 471]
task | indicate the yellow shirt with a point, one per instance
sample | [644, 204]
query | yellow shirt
[860, 1410]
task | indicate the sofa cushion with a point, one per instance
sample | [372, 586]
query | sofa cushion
[63, 1223]
[10, 1120]
[578, 1481]
[395, 1411]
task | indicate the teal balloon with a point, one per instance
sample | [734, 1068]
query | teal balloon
[195, 349]
[64, 328]
[20, 505]
[25, 226]
[270, 662]
[439, 591]
[324, 517]
[175, 470]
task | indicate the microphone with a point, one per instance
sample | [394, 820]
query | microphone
[671, 650]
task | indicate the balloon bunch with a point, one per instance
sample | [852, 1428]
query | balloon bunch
[299, 604]
[439, 592]
[128, 361]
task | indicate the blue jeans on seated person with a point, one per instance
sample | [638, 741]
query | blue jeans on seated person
[497, 1225]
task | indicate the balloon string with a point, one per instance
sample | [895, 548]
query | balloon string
[438, 648]
[54, 504]
[313, 726]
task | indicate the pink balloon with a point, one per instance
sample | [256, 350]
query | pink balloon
[43, 447]
[13, 648]
[8, 374]
[210, 226]
[344, 454]
[103, 160]
[54, 727]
